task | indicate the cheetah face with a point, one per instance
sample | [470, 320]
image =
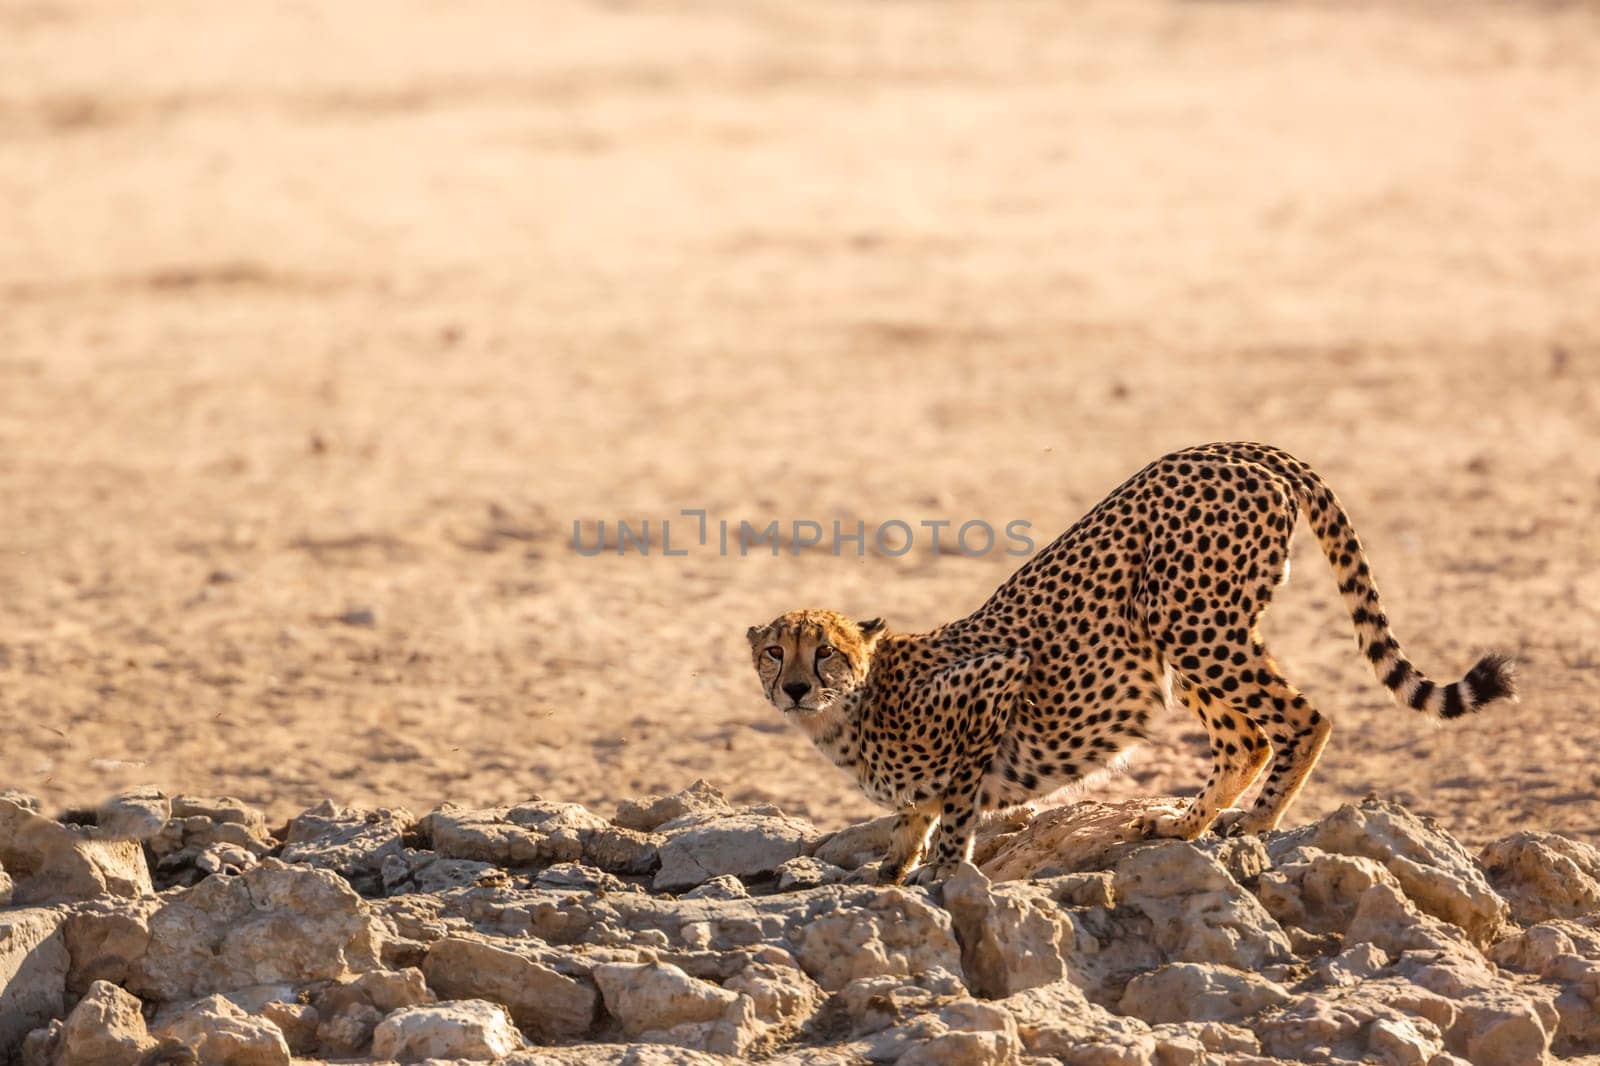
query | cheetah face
[807, 660]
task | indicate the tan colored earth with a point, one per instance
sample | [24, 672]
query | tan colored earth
[321, 324]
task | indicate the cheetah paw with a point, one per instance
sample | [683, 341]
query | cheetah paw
[893, 871]
[930, 874]
[1165, 827]
[1235, 822]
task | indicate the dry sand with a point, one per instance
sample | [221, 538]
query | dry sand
[313, 307]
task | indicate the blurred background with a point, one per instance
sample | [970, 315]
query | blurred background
[321, 324]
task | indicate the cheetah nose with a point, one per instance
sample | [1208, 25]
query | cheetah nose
[796, 689]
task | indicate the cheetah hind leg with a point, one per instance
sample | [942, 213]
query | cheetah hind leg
[1239, 752]
[908, 842]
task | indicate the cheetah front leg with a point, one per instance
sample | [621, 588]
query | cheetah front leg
[907, 843]
[971, 700]
[958, 823]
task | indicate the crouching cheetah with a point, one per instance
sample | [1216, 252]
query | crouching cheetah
[1162, 583]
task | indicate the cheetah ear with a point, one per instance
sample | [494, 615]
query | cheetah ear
[871, 630]
[754, 634]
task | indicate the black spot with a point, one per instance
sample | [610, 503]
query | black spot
[1419, 698]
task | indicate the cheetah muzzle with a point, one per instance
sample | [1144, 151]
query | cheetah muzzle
[1154, 595]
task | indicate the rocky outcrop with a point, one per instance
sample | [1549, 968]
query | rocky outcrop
[692, 931]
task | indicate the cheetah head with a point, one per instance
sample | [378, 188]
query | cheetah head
[807, 660]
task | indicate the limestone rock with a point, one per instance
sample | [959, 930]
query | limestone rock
[856, 846]
[537, 833]
[1432, 869]
[469, 1029]
[272, 923]
[138, 814]
[783, 996]
[896, 932]
[659, 1003]
[962, 1032]
[1540, 948]
[106, 1028]
[726, 886]
[744, 845]
[649, 814]
[104, 938]
[49, 862]
[655, 996]
[1578, 1009]
[1354, 965]
[1010, 940]
[872, 1004]
[1388, 919]
[1198, 912]
[208, 835]
[346, 1012]
[297, 1022]
[1190, 991]
[33, 971]
[1387, 1025]
[1315, 891]
[1056, 1020]
[540, 1000]
[1087, 835]
[805, 871]
[411, 870]
[351, 842]
[1497, 1023]
[1544, 875]
[220, 1034]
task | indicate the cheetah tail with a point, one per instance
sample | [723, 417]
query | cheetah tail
[1491, 679]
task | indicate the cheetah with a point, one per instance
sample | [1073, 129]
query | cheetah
[1154, 595]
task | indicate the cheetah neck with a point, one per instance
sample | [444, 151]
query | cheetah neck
[836, 731]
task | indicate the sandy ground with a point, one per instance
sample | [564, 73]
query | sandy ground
[314, 315]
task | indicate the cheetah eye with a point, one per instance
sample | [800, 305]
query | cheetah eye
[824, 651]
[775, 652]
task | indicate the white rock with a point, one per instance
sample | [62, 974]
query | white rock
[1432, 868]
[106, 1028]
[783, 995]
[646, 996]
[651, 813]
[33, 971]
[220, 1034]
[1056, 1020]
[53, 863]
[725, 887]
[537, 833]
[805, 871]
[896, 932]
[1316, 891]
[540, 1000]
[468, 1029]
[1202, 992]
[1012, 939]
[209, 835]
[742, 844]
[873, 1004]
[274, 923]
[138, 814]
[1197, 911]
[1544, 875]
[352, 842]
